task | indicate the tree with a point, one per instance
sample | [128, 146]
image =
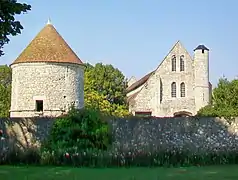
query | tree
[94, 100]
[224, 100]
[5, 90]
[8, 24]
[107, 81]
[105, 90]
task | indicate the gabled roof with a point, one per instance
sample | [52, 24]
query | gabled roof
[139, 82]
[147, 76]
[131, 97]
[48, 46]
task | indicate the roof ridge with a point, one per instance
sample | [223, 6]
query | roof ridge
[145, 78]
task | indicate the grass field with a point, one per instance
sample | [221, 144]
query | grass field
[62, 173]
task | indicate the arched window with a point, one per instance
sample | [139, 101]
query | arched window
[173, 89]
[182, 89]
[182, 63]
[173, 63]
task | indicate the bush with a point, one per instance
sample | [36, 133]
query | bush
[224, 101]
[81, 129]
[228, 113]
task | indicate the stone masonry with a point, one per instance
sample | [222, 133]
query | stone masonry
[58, 85]
[152, 93]
[184, 133]
[47, 77]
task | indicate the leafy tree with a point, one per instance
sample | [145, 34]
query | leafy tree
[224, 100]
[105, 90]
[8, 24]
[94, 100]
[5, 90]
[107, 81]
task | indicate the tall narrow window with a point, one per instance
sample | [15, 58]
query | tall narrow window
[173, 63]
[182, 89]
[39, 105]
[173, 89]
[182, 63]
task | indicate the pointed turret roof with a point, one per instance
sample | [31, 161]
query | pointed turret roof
[202, 47]
[48, 46]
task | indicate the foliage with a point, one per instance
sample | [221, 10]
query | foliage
[105, 90]
[94, 100]
[111, 158]
[216, 111]
[5, 90]
[80, 129]
[19, 156]
[149, 159]
[224, 100]
[9, 26]
[107, 81]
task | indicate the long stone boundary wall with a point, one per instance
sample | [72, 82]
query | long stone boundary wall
[188, 133]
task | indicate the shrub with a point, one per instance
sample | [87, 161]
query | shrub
[81, 129]
[224, 101]
[228, 113]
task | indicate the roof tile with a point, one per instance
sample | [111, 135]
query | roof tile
[139, 82]
[48, 46]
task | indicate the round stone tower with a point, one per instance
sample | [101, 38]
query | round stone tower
[201, 76]
[47, 77]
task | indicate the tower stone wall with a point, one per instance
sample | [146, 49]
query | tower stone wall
[201, 77]
[58, 85]
[47, 77]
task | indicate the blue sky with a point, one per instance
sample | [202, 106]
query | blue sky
[135, 36]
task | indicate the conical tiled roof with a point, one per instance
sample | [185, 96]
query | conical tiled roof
[48, 46]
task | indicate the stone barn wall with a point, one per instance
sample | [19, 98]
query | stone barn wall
[190, 133]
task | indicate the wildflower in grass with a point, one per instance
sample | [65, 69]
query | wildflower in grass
[67, 155]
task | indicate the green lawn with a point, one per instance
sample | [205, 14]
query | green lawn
[64, 173]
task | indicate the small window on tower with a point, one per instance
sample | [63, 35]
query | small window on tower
[203, 51]
[39, 105]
